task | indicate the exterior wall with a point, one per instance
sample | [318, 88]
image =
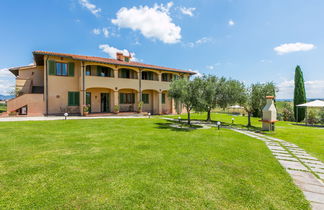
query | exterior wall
[59, 86]
[34, 103]
[56, 88]
[28, 77]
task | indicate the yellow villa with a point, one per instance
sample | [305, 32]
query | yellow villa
[58, 83]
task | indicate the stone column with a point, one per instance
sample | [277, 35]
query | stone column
[116, 73]
[160, 77]
[115, 97]
[160, 102]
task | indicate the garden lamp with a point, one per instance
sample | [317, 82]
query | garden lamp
[179, 119]
[149, 114]
[65, 115]
[218, 125]
[233, 120]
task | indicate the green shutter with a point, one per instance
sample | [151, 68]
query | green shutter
[77, 99]
[71, 69]
[51, 67]
[70, 98]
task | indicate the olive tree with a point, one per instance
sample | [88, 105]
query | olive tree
[187, 92]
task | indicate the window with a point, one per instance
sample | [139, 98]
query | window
[125, 73]
[104, 71]
[165, 77]
[163, 98]
[61, 69]
[145, 98]
[73, 98]
[147, 75]
[175, 77]
[88, 71]
[126, 98]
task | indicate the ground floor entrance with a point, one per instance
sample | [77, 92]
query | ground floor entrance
[105, 100]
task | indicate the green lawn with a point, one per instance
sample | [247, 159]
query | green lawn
[138, 163]
[310, 139]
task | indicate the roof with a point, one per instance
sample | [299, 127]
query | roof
[110, 61]
[14, 70]
[316, 103]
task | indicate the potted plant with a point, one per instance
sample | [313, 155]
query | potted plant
[116, 109]
[86, 109]
[140, 106]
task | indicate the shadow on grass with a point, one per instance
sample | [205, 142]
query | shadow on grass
[176, 126]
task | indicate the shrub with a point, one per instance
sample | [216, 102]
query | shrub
[321, 116]
[287, 113]
[311, 118]
[116, 109]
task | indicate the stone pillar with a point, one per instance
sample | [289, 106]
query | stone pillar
[115, 97]
[160, 77]
[160, 102]
[116, 73]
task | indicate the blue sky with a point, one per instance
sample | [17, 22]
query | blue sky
[250, 40]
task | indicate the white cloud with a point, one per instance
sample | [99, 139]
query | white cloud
[187, 11]
[105, 32]
[111, 51]
[231, 23]
[199, 42]
[96, 31]
[293, 47]
[7, 81]
[314, 89]
[153, 22]
[213, 66]
[91, 7]
[265, 61]
[198, 74]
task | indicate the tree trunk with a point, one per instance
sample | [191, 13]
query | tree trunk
[249, 119]
[208, 115]
[189, 121]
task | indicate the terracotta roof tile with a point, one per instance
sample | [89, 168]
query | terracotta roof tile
[111, 61]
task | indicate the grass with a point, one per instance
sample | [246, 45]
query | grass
[310, 139]
[138, 163]
[3, 108]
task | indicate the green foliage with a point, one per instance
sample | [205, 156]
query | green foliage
[321, 116]
[255, 98]
[311, 118]
[187, 92]
[287, 112]
[259, 93]
[299, 95]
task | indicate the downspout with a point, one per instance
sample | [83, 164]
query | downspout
[46, 86]
[140, 85]
[83, 84]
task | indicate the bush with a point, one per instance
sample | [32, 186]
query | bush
[311, 118]
[288, 113]
[321, 116]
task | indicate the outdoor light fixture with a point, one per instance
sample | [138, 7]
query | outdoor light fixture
[65, 115]
[233, 120]
[149, 114]
[179, 118]
[218, 125]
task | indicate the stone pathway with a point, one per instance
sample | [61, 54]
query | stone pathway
[306, 171]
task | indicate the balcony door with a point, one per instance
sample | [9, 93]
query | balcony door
[105, 102]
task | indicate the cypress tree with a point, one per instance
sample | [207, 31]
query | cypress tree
[299, 95]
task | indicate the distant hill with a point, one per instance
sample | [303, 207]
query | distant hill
[308, 99]
[6, 97]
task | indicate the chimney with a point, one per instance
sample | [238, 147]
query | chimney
[120, 56]
[269, 115]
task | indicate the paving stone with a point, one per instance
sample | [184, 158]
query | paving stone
[312, 161]
[317, 206]
[283, 155]
[321, 176]
[315, 165]
[316, 197]
[308, 158]
[318, 170]
[301, 177]
[276, 148]
[312, 188]
[287, 158]
[292, 165]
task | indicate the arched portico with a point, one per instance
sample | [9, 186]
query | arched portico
[101, 100]
[127, 100]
